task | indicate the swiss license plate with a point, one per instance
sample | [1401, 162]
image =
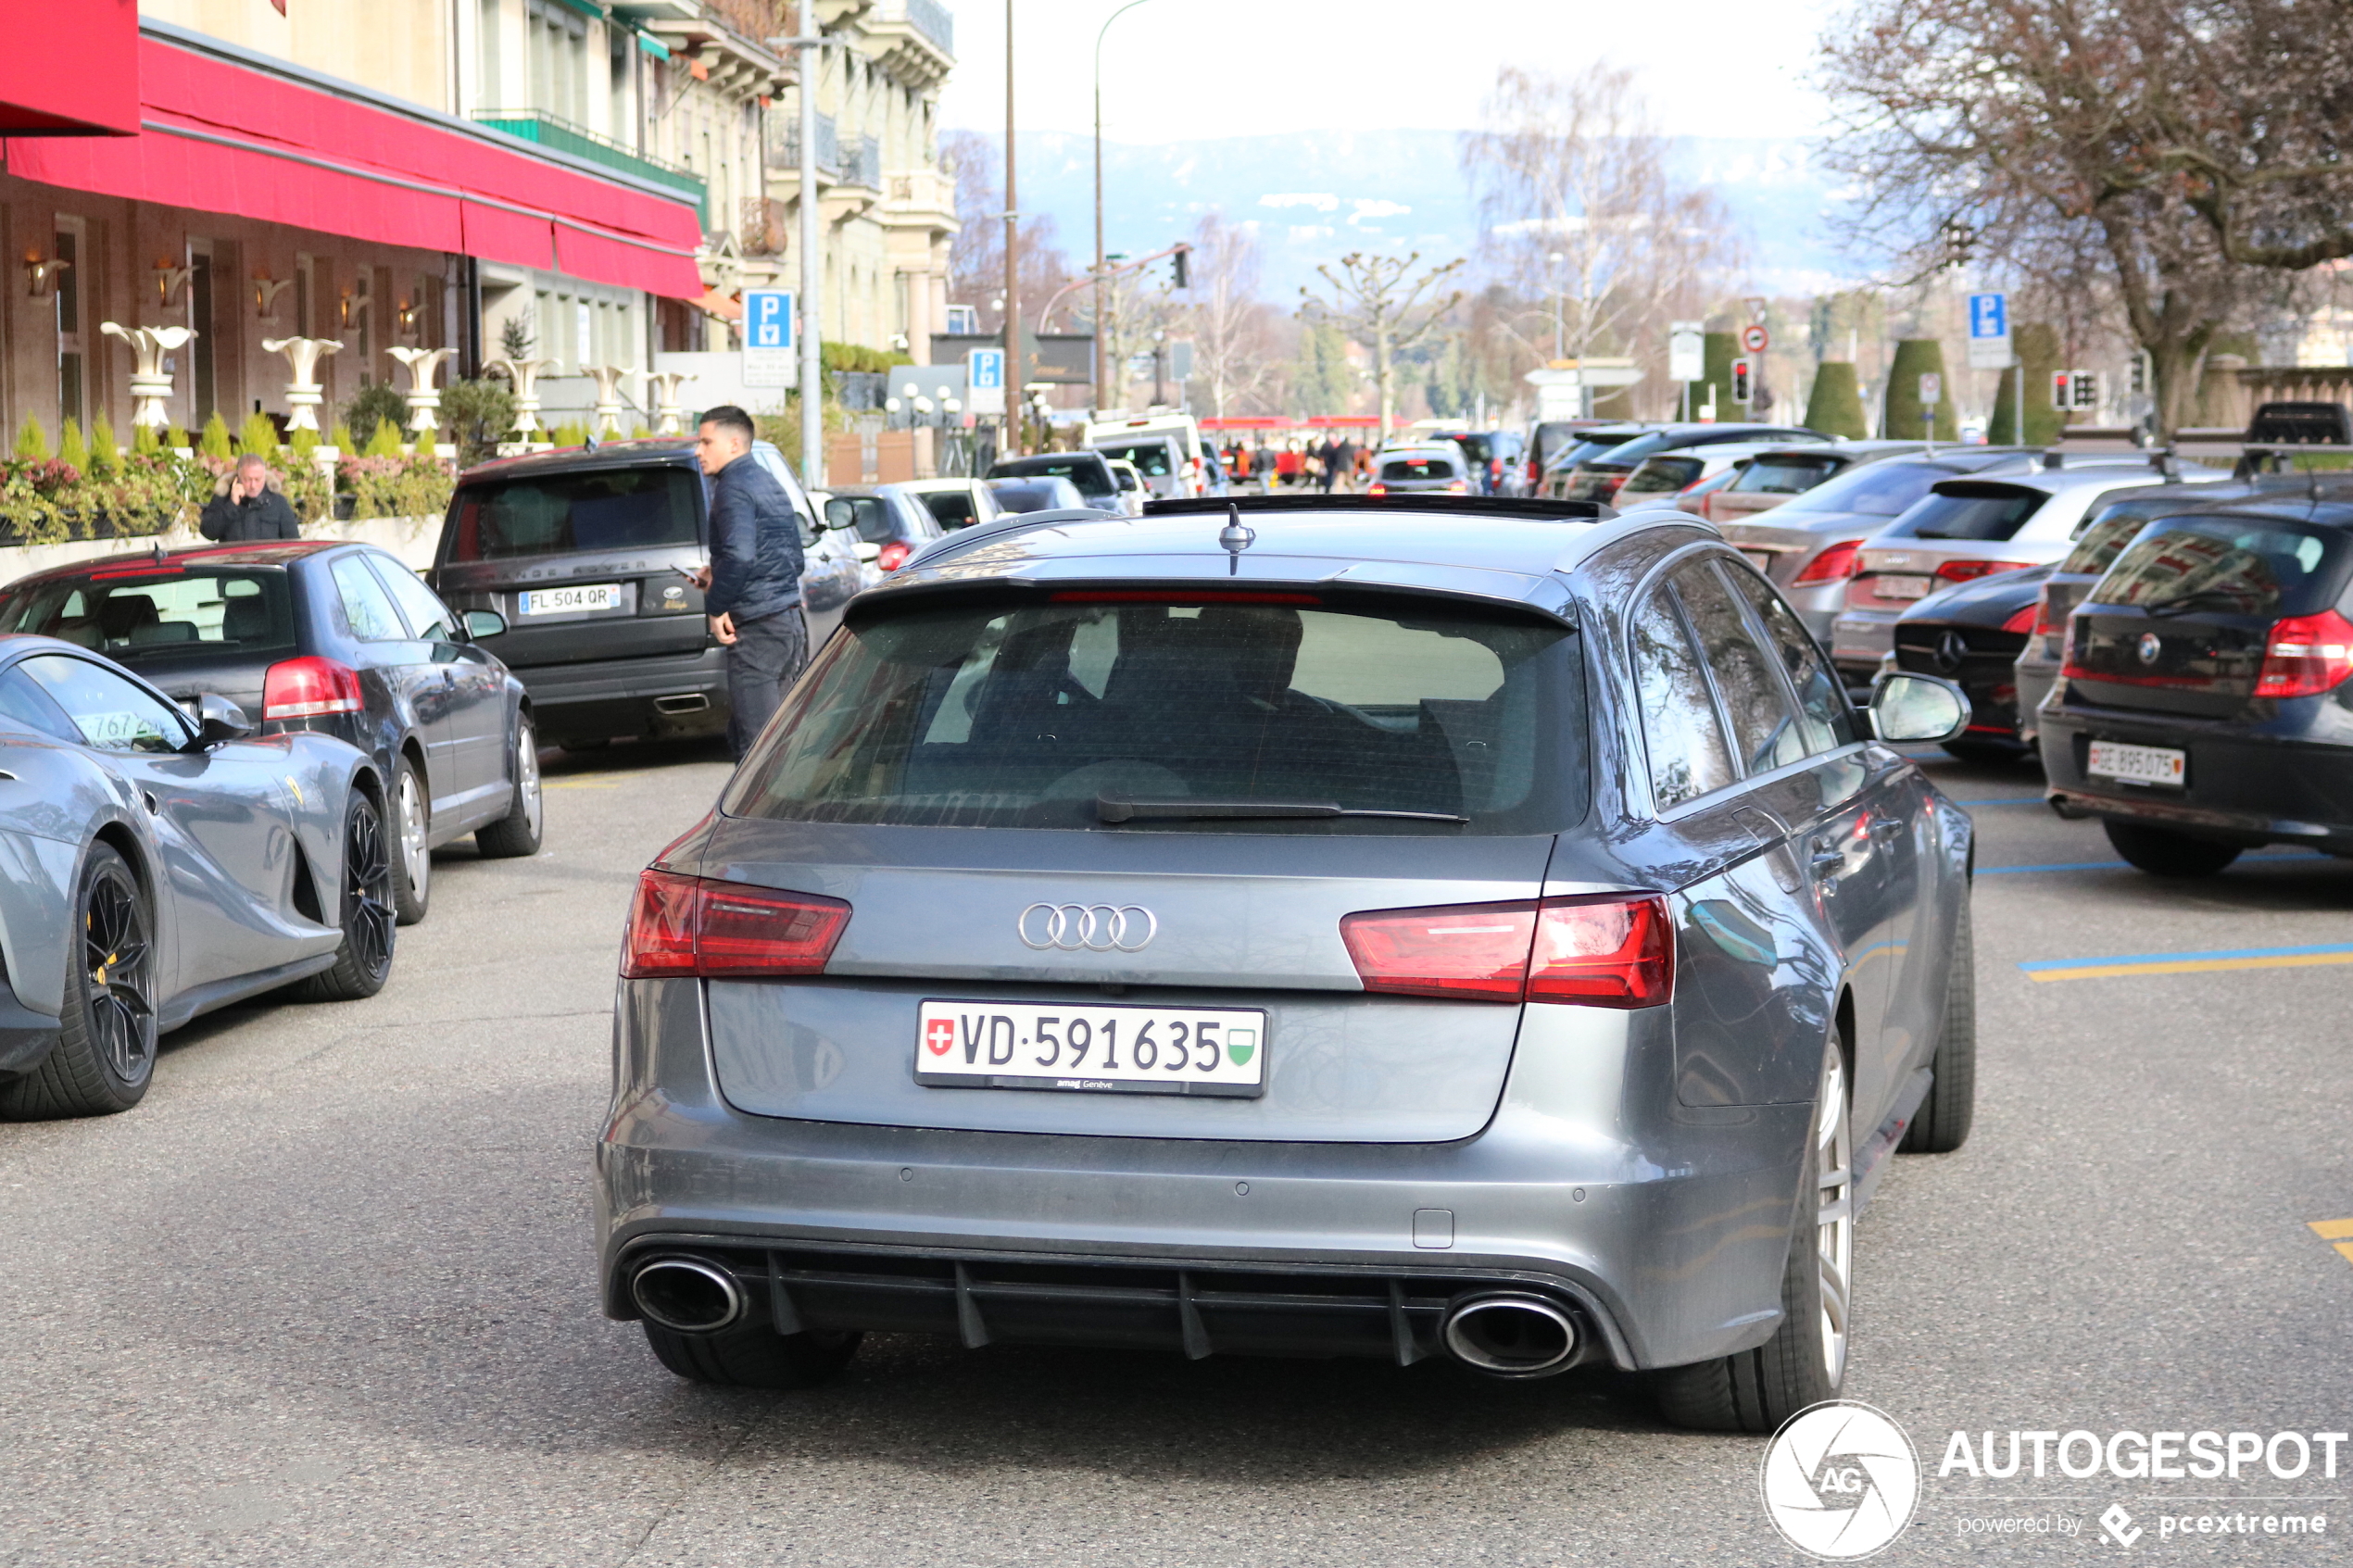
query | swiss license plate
[571, 600]
[1901, 586]
[2138, 764]
[1093, 1048]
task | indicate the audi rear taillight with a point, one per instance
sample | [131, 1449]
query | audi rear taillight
[2308, 655]
[696, 926]
[1377, 489]
[1834, 565]
[894, 555]
[1971, 571]
[1613, 952]
[2024, 620]
[1458, 488]
[303, 688]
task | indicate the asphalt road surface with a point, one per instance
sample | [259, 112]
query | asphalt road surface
[327, 1296]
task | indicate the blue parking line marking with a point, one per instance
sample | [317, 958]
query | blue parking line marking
[2226, 955]
[2118, 865]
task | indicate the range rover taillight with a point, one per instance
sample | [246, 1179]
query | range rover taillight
[697, 926]
[1613, 951]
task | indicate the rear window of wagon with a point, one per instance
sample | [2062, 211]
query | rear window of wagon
[1026, 713]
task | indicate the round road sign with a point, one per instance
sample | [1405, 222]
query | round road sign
[1754, 339]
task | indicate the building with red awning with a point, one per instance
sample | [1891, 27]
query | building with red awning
[246, 188]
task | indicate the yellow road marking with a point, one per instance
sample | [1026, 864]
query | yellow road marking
[2332, 1230]
[2347, 1249]
[2190, 966]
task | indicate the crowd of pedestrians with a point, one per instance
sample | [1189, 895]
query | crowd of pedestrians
[1334, 463]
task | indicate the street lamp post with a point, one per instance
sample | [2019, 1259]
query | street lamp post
[1103, 365]
[1560, 309]
[812, 391]
[1014, 378]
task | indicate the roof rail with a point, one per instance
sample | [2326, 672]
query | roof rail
[1592, 541]
[1530, 508]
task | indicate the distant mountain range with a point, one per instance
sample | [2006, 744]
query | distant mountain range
[1317, 196]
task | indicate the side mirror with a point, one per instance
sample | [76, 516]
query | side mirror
[218, 720]
[1908, 710]
[481, 623]
[839, 513]
[1127, 481]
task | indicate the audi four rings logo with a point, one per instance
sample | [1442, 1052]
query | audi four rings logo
[1094, 928]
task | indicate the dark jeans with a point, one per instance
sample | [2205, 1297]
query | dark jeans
[764, 659]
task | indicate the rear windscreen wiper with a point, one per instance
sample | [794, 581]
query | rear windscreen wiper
[1112, 810]
[2181, 603]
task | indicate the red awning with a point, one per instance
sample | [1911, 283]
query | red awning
[74, 72]
[223, 137]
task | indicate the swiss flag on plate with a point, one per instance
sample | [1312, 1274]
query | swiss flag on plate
[940, 1035]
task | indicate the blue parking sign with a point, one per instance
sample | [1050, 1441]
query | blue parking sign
[768, 318]
[1989, 331]
[769, 340]
[984, 381]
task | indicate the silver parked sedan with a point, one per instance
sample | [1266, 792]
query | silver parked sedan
[1291, 927]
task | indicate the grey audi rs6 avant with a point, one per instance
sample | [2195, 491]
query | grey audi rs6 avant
[1427, 927]
[154, 866]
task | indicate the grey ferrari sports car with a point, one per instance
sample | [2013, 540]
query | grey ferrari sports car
[155, 865]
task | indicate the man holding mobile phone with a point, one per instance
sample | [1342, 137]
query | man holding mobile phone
[751, 589]
[246, 509]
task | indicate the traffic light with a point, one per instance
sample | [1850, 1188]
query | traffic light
[2062, 389]
[2087, 390]
[1741, 382]
[1183, 252]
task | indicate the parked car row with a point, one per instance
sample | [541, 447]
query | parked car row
[223, 773]
[2180, 673]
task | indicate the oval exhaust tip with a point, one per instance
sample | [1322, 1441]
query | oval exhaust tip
[688, 1295]
[1511, 1336]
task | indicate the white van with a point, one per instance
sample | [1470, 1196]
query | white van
[1167, 448]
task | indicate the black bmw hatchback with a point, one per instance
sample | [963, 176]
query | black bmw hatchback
[2205, 707]
[335, 638]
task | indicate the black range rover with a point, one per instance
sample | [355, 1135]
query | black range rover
[2205, 707]
[584, 551]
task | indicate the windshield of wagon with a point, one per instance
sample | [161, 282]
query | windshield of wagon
[1029, 713]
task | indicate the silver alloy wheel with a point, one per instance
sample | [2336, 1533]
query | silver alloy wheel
[1834, 1227]
[527, 773]
[416, 857]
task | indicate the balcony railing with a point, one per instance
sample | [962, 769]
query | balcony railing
[853, 163]
[563, 136]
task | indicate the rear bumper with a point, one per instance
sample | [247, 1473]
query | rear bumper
[671, 695]
[1860, 638]
[1669, 1238]
[2243, 786]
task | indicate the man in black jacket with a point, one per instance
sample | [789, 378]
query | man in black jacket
[751, 589]
[249, 509]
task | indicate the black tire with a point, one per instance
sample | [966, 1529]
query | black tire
[1758, 1390]
[1942, 1123]
[104, 1057]
[412, 817]
[517, 833]
[364, 961]
[2163, 852]
[754, 1356]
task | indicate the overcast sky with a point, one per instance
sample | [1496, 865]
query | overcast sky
[1181, 69]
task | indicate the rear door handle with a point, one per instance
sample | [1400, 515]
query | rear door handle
[1887, 827]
